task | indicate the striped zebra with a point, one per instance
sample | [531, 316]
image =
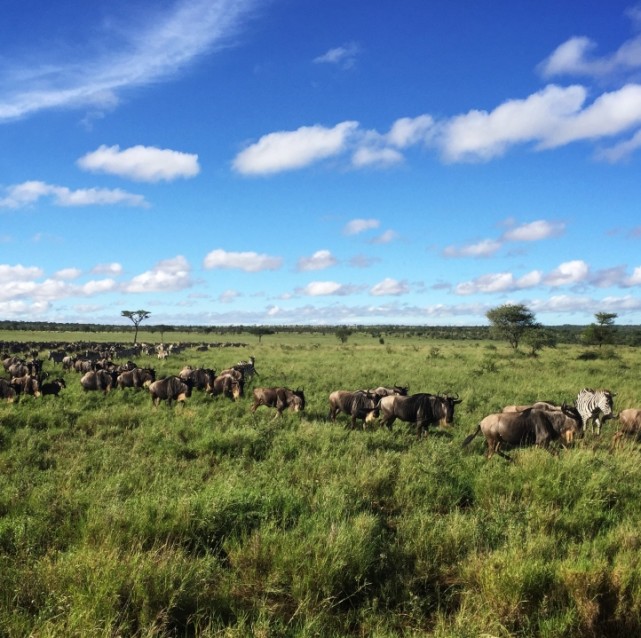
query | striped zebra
[247, 368]
[591, 404]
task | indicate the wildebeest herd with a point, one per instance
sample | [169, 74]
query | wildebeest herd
[539, 424]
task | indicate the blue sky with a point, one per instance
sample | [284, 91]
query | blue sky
[276, 162]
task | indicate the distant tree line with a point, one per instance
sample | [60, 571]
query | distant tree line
[593, 334]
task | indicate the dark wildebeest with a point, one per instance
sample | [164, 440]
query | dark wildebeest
[422, 409]
[169, 389]
[56, 356]
[360, 404]
[630, 420]
[247, 369]
[279, 398]
[201, 378]
[98, 380]
[27, 384]
[531, 426]
[52, 387]
[136, 378]
[228, 386]
[8, 392]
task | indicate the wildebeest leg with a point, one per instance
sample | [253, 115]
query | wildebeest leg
[388, 421]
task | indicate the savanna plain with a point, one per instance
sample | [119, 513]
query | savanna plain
[205, 519]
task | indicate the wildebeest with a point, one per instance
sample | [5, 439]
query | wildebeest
[530, 426]
[228, 386]
[385, 392]
[8, 392]
[27, 384]
[247, 369]
[98, 380]
[52, 387]
[201, 378]
[630, 420]
[169, 389]
[361, 404]
[280, 398]
[422, 409]
[136, 378]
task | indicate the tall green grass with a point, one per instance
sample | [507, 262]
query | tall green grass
[120, 519]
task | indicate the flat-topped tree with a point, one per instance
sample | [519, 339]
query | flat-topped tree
[136, 317]
[511, 322]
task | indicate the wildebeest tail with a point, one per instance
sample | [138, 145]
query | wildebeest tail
[469, 437]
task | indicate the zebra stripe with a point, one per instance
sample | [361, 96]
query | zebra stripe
[593, 403]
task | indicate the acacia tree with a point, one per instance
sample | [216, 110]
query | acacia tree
[136, 317]
[511, 322]
[602, 331]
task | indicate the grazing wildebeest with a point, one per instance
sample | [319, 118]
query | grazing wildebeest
[52, 387]
[280, 398]
[422, 409]
[84, 365]
[169, 389]
[56, 356]
[247, 369]
[531, 426]
[630, 420]
[136, 378]
[27, 384]
[228, 386]
[362, 402]
[595, 403]
[98, 380]
[201, 378]
[386, 392]
[8, 392]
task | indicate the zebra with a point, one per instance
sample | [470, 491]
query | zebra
[593, 403]
[247, 368]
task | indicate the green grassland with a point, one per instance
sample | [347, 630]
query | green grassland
[121, 519]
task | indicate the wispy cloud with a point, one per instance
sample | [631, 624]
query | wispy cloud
[153, 51]
[141, 163]
[343, 56]
[320, 260]
[357, 226]
[28, 193]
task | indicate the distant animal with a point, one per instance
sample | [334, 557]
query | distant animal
[592, 404]
[52, 387]
[531, 426]
[630, 425]
[421, 409]
[228, 386]
[280, 398]
[169, 389]
[56, 356]
[360, 404]
[98, 380]
[8, 392]
[136, 378]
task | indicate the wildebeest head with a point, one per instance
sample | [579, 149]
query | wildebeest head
[297, 400]
[445, 404]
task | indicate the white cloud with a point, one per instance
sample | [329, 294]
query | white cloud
[68, 274]
[534, 231]
[27, 193]
[141, 163]
[385, 238]
[10, 274]
[483, 248]
[389, 286]
[289, 150]
[356, 226]
[570, 272]
[141, 55]
[408, 131]
[369, 156]
[343, 56]
[113, 268]
[228, 296]
[247, 261]
[167, 275]
[320, 260]
[323, 288]
[635, 278]
[490, 283]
